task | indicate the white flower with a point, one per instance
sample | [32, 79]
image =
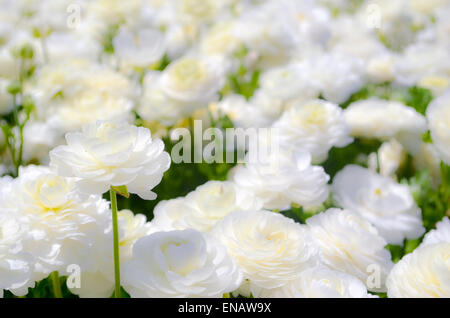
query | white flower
[384, 119]
[391, 156]
[351, 245]
[220, 39]
[288, 83]
[16, 265]
[180, 264]
[185, 85]
[389, 206]
[198, 11]
[108, 154]
[243, 113]
[425, 273]
[75, 92]
[438, 115]
[439, 235]
[38, 139]
[203, 208]
[271, 249]
[337, 75]
[320, 282]
[142, 48]
[61, 230]
[98, 279]
[282, 179]
[267, 34]
[315, 126]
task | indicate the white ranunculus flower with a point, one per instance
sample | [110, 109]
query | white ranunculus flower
[425, 273]
[315, 126]
[439, 235]
[98, 279]
[320, 282]
[192, 79]
[350, 244]
[108, 154]
[283, 178]
[61, 230]
[71, 93]
[142, 48]
[204, 207]
[16, 264]
[220, 39]
[180, 264]
[243, 113]
[187, 84]
[287, 83]
[391, 156]
[438, 115]
[271, 249]
[389, 206]
[384, 119]
[38, 139]
[267, 34]
[337, 75]
[197, 12]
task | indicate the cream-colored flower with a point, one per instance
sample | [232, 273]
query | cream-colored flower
[97, 280]
[108, 154]
[283, 178]
[425, 273]
[185, 85]
[438, 115]
[391, 155]
[180, 264]
[271, 249]
[439, 235]
[320, 282]
[202, 208]
[61, 230]
[76, 92]
[387, 205]
[384, 119]
[243, 113]
[16, 264]
[350, 244]
[142, 48]
[315, 126]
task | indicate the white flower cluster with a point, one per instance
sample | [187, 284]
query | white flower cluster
[90, 92]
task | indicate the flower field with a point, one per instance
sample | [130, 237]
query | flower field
[225, 149]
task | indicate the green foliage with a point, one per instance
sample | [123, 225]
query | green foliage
[355, 153]
[108, 37]
[415, 96]
[433, 201]
[419, 98]
[44, 289]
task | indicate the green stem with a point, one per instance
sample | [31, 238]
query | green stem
[116, 243]
[56, 284]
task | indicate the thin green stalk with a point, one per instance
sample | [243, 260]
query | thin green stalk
[112, 193]
[56, 284]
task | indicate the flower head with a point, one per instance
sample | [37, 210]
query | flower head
[180, 264]
[350, 244]
[108, 154]
[389, 206]
[271, 249]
